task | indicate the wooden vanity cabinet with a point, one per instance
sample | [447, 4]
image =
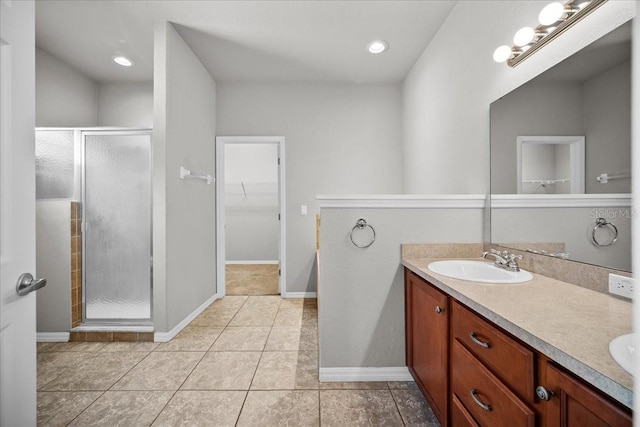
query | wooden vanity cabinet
[474, 374]
[427, 337]
[576, 404]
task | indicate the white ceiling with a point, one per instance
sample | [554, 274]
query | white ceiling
[304, 41]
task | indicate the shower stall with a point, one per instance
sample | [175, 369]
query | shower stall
[105, 176]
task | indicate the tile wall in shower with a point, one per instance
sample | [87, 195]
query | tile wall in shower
[76, 264]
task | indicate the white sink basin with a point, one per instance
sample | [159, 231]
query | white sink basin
[478, 271]
[622, 350]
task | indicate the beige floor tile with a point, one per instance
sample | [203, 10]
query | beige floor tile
[289, 317]
[242, 338]
[358, 408]
[292, 303]
[311, 303]
[192, 338]
[270, 301]
[292, 338]
[215, 317]
[202, 408]
[124, 408]
[223, 371]
[44, 346]
[280, 408]
[59, 408]
[254, 317]
[403, 385]
[77, 346]
[414, 408]
[354, 385]
[229, 301]
[282, 370]
[52, 365]
[95, 371]
[144, 347]
[309, 316]
[160, 371]
[284, 338]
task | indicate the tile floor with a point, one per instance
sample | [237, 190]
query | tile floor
[245, 361]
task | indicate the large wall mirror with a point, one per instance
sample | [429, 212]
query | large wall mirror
[561, 158]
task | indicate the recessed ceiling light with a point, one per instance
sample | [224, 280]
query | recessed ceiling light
[122, 60]
[377, 46]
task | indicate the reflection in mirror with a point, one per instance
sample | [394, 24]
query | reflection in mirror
[560, 157]
[550, 164]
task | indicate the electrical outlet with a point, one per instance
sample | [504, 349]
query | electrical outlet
[621, 285]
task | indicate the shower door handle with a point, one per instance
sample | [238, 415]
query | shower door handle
[27, 284]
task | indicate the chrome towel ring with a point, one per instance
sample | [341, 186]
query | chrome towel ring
[361, 224]
[601, 223]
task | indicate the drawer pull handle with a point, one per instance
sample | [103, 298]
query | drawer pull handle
[438, 309]
[474, 396]
[475, 339]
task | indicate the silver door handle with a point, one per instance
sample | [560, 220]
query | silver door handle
[26, 284]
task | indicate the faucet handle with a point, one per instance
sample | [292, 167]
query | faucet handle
[513, 257]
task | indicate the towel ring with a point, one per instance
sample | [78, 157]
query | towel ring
[601, 222]
[362, 224]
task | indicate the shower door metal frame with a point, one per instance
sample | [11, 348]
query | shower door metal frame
[115, 132]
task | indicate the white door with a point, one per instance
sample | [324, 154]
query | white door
[17, 213]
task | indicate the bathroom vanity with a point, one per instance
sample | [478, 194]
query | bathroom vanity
[528, 354]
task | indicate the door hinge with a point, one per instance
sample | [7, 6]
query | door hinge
[279, 272]
[278, 160]
[278, 217]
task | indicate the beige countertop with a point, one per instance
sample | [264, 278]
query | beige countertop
[567, 323]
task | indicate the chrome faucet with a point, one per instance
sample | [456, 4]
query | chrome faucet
[504, 259]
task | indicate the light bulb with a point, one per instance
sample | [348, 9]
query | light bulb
[122, 60]
[551, 13]
[377, 46]
[524, 36]
[502, 53]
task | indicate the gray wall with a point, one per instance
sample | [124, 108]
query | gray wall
[599, 108]
[125, 104]
[546, 225]
[64, 96]
[361, 298]
[447, 95]
[607, 124]
[251, 218]
[53, 261]
[531, 110]
[340, 139]
[183, 210]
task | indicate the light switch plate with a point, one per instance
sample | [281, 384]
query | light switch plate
[303, 209]
[621, 285]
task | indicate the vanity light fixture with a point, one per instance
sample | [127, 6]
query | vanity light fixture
[555, 18]
[122, 60]
[377, 46]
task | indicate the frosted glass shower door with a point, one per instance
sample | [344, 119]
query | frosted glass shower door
[117, 225]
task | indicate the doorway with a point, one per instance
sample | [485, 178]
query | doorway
[250, 195]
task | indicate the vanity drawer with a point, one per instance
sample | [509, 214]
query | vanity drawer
[460, 417]
[509, 360]
[475, 386]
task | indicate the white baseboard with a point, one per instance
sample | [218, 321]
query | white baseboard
[299, 295]
[167, 336]
[52, 336]
[253, 262]
[365, 374]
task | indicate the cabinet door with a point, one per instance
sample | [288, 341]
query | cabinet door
[575, 404]
[428, 328]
